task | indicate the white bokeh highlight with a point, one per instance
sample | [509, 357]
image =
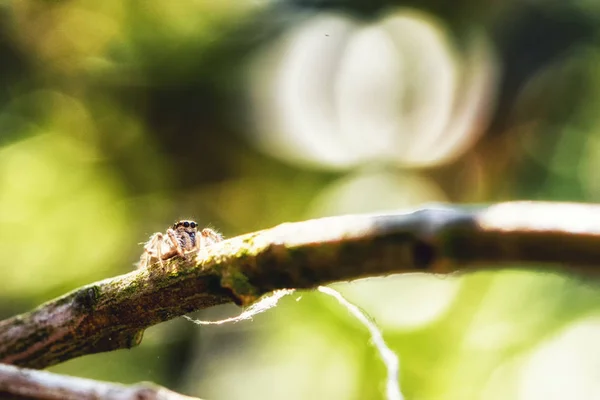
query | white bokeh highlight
[336, 92]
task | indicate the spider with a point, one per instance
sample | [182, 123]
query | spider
[182, 238]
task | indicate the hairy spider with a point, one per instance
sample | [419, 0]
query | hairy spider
[182, 238]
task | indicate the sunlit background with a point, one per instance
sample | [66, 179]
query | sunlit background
[118, 118]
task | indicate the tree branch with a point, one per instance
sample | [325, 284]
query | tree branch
[32, 384]
[113, 313]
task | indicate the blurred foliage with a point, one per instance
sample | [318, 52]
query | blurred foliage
[118, 118]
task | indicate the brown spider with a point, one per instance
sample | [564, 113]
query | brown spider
[182, 238]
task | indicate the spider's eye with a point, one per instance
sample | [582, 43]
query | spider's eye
[186, 224]
[193, 224]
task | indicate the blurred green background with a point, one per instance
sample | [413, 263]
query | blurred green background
[118, 118]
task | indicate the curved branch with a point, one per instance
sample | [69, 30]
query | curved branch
[113, 313]
[32, 384]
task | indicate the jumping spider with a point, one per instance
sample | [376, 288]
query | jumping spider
[181, 239]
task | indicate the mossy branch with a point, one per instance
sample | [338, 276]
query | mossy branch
[112, 314]
[20, 383]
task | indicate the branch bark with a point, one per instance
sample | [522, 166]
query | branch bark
[32, 384]
[113, 313]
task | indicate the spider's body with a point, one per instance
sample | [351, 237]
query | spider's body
[185, 233]
[182, 238]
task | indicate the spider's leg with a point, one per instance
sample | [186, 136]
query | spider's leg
[153, 249]
[144, 261]
[175, 245]
[159, 254]
[197, 242]
[208, 237]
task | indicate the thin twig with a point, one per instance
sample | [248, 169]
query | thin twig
[113, 313]
[33, 384]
